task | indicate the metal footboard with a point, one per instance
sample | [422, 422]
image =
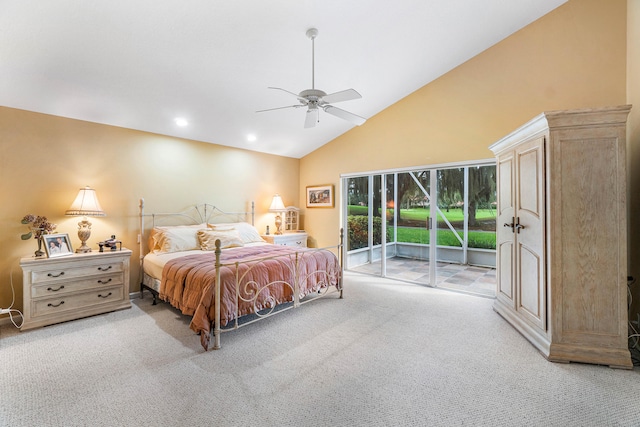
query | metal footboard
[248, 291]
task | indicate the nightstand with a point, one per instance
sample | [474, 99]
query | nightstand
[298, 238]
[74, 286]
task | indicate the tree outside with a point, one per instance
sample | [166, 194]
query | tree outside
[414, 206]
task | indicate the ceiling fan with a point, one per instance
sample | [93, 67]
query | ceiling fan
[315, 99]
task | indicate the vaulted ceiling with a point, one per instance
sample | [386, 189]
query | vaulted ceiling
[141, 64]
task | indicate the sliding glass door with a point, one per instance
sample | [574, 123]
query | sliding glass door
[453, 207]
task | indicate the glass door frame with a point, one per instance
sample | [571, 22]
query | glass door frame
[432, 195]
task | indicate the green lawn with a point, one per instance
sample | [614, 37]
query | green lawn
[446, 237]
[477, 239]
[420, 214]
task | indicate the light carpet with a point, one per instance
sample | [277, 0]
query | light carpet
[388, 354]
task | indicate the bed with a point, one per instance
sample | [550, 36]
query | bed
[214, 266]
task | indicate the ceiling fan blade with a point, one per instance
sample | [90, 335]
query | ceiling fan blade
[345, 115]
[311, 118]
[280, 108]
[289, 92]
[344, 95]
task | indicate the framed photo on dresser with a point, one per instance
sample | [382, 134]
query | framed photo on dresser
[57, 245]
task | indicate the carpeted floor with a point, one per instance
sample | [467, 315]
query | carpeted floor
[388, 354]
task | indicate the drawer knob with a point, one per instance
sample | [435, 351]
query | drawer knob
[103, 281]
[55, 305]
[105, 268]
[56, 290]
[104, 296]
[56, 275]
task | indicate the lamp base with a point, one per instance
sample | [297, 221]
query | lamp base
[83, 249]
[278, 225]
[84, 232]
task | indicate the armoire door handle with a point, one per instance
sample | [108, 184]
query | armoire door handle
[519, 226]
[510, 225]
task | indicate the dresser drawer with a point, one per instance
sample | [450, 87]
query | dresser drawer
[296, 242]
[298, 239]
[73, 286]
[62, 303]
[64, 273]
[55, 289]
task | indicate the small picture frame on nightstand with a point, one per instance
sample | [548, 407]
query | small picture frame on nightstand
[57, 245]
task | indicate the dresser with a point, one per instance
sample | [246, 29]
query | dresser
[70, 287]
[298, 238]
[562, 234]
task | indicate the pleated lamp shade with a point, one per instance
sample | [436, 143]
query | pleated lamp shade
[86, 204]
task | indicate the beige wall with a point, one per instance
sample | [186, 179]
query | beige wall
[633, 144]
[44, 160]
[574, 57]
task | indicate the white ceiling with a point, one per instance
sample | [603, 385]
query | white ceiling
[140, 63]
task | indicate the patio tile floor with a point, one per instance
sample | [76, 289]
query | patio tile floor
[465, 278]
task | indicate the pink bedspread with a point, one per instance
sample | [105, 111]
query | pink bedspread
[188, 283]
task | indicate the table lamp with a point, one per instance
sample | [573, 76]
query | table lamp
[277, 206]
[86, 204]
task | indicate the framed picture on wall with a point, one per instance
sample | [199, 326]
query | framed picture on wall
[320, 196]
[57, 245]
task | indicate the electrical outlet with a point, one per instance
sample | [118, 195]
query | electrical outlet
[5, 310]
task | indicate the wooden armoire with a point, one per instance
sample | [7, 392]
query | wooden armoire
[562, 234]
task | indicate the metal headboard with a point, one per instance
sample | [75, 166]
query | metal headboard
[196, 214]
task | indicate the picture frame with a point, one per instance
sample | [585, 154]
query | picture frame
[57, 245]
[320, 196]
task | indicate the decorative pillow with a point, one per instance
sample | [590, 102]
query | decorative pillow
[156, 234]
[247, 232]
[228, 239]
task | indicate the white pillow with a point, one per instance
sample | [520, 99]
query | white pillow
[155, 236]
[222, 227]
[247, 232]
[228, 239]
[177, 239]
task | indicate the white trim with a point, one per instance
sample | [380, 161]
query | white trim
[451, 165]
[433, 226]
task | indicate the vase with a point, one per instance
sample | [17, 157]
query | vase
[39, 252]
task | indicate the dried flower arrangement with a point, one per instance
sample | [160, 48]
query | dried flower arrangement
[38, 225]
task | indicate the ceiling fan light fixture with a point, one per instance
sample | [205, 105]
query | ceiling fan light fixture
[314, 98]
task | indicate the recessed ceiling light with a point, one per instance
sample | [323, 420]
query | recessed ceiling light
[251, 137]
[181, 122]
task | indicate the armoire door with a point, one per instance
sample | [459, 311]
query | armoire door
[528, 230]
[505, 236]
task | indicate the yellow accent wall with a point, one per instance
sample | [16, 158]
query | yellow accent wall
[45, 159]
[574, 57]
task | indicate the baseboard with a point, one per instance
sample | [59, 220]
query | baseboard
[134, 295]
[5, 320]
